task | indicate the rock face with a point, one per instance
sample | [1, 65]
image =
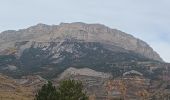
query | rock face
[84, 72]
[80, 31]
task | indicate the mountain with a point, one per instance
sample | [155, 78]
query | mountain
[81, 31]
[48, 50]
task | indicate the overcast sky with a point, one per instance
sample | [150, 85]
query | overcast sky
[148, 20]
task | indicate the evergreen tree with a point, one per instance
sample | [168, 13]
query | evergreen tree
[47, 92]
[67, 90]
[71, 90]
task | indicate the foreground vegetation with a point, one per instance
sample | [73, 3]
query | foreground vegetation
[67, 90]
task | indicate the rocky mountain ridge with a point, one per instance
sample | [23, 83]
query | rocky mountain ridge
[80, 31]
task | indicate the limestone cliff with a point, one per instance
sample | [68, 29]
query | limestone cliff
[80, 31]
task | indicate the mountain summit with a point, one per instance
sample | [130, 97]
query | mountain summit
[80, 31]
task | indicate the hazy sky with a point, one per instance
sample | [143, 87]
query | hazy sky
[148, 20]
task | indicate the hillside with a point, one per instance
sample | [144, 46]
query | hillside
[11, 90]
